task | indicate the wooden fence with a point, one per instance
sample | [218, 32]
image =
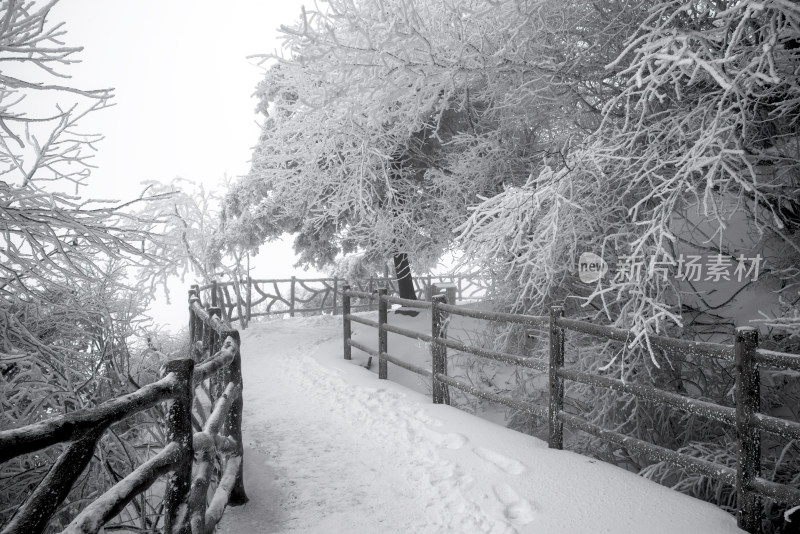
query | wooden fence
[251, 298]
[203, 424]
[745, 417]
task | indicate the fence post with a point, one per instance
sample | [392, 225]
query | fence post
[748, 402]
[348, 350]
[441, 393]
[179, 430]
[193, 326]
[555, 436]
[383, 335]
[214, 301]
[234, 424]
[291, 297]
[448, 288]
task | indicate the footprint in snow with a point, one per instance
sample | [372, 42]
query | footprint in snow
[428, 420]
[518, 510]
[509, 465]
[441, 472]
[450, 440]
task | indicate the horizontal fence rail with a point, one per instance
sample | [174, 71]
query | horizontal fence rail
[212, 374]
[249, 298]
[745, 417]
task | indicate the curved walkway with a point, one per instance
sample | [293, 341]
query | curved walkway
[329, 448]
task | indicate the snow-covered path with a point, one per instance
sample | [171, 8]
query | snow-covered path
[329, 448]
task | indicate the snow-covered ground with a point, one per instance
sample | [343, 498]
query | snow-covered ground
[330, 448]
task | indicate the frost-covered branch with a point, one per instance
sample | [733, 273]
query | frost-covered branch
[69, 317]
[386, 121]
[696, 154]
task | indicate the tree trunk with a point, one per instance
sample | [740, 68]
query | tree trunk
[402, 269]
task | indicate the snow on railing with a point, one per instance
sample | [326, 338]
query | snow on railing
[745, 416]
[211, 376]
[242, 301]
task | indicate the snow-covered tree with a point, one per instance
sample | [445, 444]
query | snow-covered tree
[48, 231]
[187, 227]
[68, 313]
[388, 120]
[697, 154]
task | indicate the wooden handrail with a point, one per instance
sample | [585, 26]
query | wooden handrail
[503, 357]
[716, 350]
[221, 408]
[111, 503]
[493, 397]
[221, 359]
[213, 321]
[224, 492]
[248, 298]
[360, 294]
[37, 436]
[207, 443]
[84, 428]
[223, 371]
[778, 359]
[421, 304]
[37, 509]
[723, 414]
[517, 318]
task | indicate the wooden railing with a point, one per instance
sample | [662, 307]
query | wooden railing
[210, 377]
[251, 298]
[745, 417]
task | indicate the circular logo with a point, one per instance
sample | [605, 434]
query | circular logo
[591, 267]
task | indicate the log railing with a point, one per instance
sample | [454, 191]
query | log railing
[212, 374]
[745, 417]
[242, 301]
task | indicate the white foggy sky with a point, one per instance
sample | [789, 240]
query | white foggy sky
[183, 84]
[183, 101]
